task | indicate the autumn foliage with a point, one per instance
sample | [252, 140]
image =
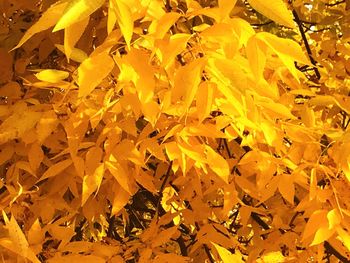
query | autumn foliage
[174, 131]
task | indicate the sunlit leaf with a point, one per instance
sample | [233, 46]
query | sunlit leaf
[76, 11]
[277, 11]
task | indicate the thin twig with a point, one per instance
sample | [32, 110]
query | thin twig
[306, 43]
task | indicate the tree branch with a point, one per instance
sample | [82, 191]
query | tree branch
[306, 43]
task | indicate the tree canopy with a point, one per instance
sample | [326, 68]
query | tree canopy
[175, 131]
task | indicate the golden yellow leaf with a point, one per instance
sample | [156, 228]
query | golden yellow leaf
[276, 11]
[256, 56]
[124, 18]
[52, 75]
[121, 198]
[187, 80]
[287, 50]
[218, 164]
[160, 27]
[76, 11]
[344, 235]
[92, 71]
[71, 36]
[204, 99]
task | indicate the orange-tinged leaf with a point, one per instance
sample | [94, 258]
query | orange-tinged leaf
[164, 236]
[76, 11]
[276, 11]
[120, 175]
[21, 121]
[47, 20]
[19, 242]
[92, 182]
[92, 71]
[35, 156]
[56, 169]
[317, 220]
[6, 153]
[227, 256]
[218, 164]
[52, 75]
[121, 198]
[46, 125]
[35, 234]
[146, 180]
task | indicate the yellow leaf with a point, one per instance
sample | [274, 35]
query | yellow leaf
[159, 28]
[112, 17]
[276, 11]
[121, 198]
[22, 120]
[35, 234]
[6, 153]
[76, 54]
[277, 110]
[164, 236]
[124, 18]
[287, 50]
[286, 187]
[120, 175]
[72, 34]
[204, 99]
[146, 180]
[272, 257]
[19, 242]
[92, 182]
[56, 169]
[35, 156]
[256, 57]
[76, 11]
[92, 71]
[52, 75]
[226, 6]
[317, 220]
[46, 125]
[334, 218]
[345, 237]
[227, 256]
[217, 163]
[47, 20]
[187, 80]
